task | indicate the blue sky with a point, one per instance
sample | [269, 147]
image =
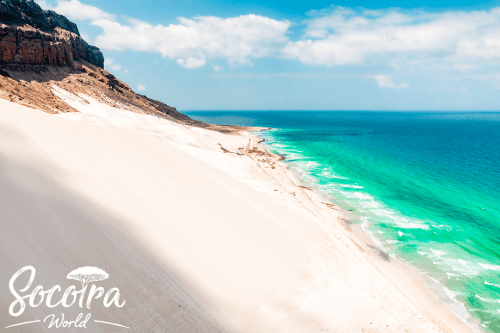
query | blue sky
[298, 55]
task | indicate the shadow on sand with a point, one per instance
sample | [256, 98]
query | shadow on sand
[45, 226]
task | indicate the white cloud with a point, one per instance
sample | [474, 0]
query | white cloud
[410, 39]
[125, 71]
[192, 62]
[492, 78]
[86, 37]
[191, 42]
[109, 63]
[75, 10]
[385, 81]
[454, 39]
[141, 87]
[43, 4]
[218, 68]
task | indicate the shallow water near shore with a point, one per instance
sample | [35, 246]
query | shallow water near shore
[424, 186]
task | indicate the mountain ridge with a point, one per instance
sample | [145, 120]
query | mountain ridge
[31, 35]
[40, 50]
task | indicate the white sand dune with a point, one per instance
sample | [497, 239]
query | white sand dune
[196, 240]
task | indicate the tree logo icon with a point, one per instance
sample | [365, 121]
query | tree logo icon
[88, 274]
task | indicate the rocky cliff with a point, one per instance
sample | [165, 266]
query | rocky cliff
[30, 35]
[41, 51]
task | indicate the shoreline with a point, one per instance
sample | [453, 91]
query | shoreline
[211, 231]
[390, 267]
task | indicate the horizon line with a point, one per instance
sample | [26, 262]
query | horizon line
[329, 110]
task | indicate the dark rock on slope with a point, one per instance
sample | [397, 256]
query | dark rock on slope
[28, 12]
[41, 50]
[31, 35]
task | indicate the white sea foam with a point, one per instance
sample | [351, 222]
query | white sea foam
[352, 186]
[467, 273]
[490, 267]
[451, 294]
[349, 195]
[487, 300]
[381, 212]
[369, 204]
[456, 264]
[492, 284]
[412, 225]
[363, 196]
[366, 204]
[438, 253]
[329, 174]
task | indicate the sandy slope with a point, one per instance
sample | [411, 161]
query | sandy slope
[196, 239]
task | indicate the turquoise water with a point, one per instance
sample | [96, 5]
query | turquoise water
[425, 186]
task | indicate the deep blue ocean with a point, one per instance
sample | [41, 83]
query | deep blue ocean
[424, 185]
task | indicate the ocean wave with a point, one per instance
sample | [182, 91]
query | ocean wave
[381, 222]
[412, 225]
[439, 253]
[352, 186]
[463, 262]
[451, 294]
[370, 204]
[328, 173]
[490, 267]
[488, 300]
[492, 284]
[363, 196]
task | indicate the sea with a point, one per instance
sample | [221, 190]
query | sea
[425, 186]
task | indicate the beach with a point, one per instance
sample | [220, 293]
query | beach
[201, 231]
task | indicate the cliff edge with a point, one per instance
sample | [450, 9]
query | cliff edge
[31, 35]
[40, 50]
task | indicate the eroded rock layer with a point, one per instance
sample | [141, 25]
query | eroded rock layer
[41, 51]
[31, 35]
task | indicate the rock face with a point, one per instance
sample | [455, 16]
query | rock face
[41, 50]
[30, 35]
[28, 12]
